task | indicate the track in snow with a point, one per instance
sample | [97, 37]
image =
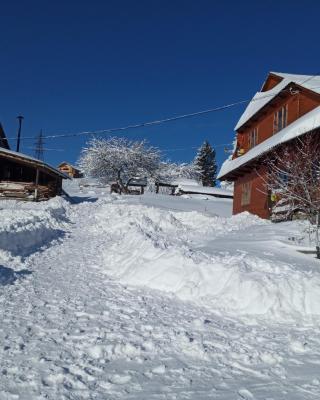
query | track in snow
[70, 332]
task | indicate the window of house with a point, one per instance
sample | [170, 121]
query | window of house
[280, 119]
[246, 194]
[253, 138]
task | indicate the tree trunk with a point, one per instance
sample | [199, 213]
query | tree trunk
[317, 235]
[121, 184]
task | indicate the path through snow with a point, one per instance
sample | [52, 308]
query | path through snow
[68, 331]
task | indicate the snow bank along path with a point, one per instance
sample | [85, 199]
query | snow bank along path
[24, 227]
[68, 332]
[170, 251]
[166, 251]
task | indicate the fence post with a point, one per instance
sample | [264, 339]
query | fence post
[37, 182]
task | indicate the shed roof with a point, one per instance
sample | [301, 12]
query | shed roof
[305, 124]
[23, 157]
[205, 190]
[260, 99]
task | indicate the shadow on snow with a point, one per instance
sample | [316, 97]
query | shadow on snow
[8, 276]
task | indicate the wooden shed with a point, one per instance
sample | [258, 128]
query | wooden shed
[26, 178]
[165, 187]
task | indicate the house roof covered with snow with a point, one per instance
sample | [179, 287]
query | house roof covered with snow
[306, 123]
[260, 99]
[35, 161]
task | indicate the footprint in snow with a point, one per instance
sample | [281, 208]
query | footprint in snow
[245, 394]
[119, 379]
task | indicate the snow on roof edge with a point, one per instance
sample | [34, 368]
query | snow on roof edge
[260, 99]
[35, 160]
[304, 124]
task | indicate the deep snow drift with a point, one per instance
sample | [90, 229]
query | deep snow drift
[25, 227]
[170, 251]
[125, 298]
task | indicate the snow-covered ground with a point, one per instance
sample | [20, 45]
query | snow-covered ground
[154, 297]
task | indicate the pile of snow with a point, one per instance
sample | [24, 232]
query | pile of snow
[25, 227]
[170, 252]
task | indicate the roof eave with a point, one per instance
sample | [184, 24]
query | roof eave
[34, 162]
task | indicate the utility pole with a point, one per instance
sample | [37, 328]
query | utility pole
[38, 149]
[20, 118]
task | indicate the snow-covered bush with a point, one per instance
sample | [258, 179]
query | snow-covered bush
[119, 159]
[170, 171]
[227, 185]
[293, 180]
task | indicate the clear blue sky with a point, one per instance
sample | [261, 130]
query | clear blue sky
[70, 66]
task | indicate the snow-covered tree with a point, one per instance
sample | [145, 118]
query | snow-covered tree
[206, 162]
[118, 159]
[170, 171]
[293, 179]
[227, 185]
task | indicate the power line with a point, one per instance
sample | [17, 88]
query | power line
[143, 124]
[161, 121]
[195, 147]
[44, 148]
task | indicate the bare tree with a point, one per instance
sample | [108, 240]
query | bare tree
[119, 159]
[293, 178]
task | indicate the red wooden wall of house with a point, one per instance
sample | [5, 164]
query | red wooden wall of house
[297, 105]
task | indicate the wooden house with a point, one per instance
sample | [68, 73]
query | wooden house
[286, 108]
[26, 178]
[70, 170]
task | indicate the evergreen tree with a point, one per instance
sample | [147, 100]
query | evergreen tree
[206, 163]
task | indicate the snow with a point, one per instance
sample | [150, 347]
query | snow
[260, 99]
[24, 226]
[205, 190]
[154, 297]
[305, 124]
[185, 181]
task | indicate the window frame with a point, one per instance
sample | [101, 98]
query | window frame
[283, 112]
[246, 189]
[253, 137]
